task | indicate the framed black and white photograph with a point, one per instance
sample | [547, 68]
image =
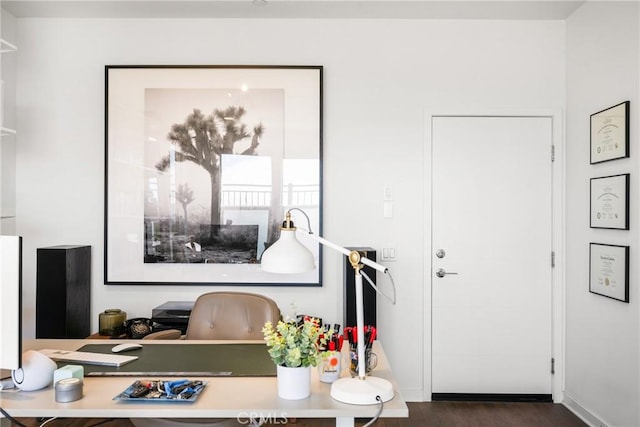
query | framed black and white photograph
[610, 202]
[201, 164]
[610, 133]
[609, 271]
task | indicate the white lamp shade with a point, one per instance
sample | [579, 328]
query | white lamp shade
[287, 255]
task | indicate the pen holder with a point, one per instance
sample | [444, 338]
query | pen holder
[371, 361]
[329, 367]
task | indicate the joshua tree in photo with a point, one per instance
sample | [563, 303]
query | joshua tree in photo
[204, 139]
[184, 196]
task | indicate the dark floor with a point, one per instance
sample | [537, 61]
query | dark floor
[427, 414]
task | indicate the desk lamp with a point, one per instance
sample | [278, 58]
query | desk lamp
[288, 255]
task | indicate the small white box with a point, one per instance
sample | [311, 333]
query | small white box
[68, 371]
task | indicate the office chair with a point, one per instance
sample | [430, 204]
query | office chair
[221, 316]
[226, 316]
[168, 334]
[231, 316]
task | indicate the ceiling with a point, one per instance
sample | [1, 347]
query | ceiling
[295, 9]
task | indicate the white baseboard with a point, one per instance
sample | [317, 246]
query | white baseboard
[582, 413]
[412, 394]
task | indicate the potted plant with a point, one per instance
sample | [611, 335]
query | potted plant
[294, 347]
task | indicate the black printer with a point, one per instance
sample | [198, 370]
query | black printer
[172, 315]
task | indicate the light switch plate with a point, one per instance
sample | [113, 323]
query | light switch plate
[388, 210]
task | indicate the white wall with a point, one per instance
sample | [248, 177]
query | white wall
[602, 358]
[379, 77]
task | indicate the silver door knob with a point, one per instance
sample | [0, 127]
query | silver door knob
[441, 273]
[440, 253]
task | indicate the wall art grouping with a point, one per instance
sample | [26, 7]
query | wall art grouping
[609, 202]
[201, 163]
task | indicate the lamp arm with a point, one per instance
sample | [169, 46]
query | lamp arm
[344, 251]
[363, 260]
[373, 264]
[325, 242]
[392, 300]
[359, 297]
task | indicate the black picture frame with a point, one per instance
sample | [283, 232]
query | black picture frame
[609, 133]
[609, 271]
[201, 163]
[609, 202]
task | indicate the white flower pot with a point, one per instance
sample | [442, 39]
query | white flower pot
[294, 383]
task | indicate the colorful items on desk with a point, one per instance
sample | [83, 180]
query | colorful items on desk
[333, 337]
[330, 366]
[371, 360]
[330, 363]
[183, 390]
[351, 335]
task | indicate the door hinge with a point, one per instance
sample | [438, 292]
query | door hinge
[553, 153]
[553, 366]
[553, 259]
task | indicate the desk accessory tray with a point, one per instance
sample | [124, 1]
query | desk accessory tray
[183, 390]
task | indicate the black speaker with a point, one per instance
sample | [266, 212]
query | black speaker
[63, 292]
[368, 293]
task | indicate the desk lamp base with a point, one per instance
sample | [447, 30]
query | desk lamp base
[361, 392]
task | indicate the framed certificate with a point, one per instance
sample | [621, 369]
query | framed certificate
[610, 202]
[610, 133]
[609, 271]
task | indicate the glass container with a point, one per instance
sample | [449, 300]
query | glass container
[112, 322]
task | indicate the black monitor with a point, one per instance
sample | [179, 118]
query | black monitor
[10, 302]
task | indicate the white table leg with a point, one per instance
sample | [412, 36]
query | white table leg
[345, 422]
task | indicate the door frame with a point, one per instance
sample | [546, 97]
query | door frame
[558, 240]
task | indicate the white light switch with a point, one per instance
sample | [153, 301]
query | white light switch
[388, 209]
[388, 254]
[388, 192]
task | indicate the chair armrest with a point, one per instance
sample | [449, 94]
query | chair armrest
[169, 334]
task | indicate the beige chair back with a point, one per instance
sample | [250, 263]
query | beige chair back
[231, 316]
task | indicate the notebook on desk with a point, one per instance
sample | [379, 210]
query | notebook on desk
[89, 358]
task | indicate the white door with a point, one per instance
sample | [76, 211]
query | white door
[491, 226]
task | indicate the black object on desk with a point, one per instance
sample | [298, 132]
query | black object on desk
[172, 315]
[238, 360]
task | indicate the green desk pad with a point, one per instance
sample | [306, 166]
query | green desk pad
[237, 360]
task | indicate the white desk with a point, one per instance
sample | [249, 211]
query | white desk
[224, 397]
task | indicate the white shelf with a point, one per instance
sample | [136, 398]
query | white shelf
[5, 46]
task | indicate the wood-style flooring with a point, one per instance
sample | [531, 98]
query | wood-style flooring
[422, 414]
